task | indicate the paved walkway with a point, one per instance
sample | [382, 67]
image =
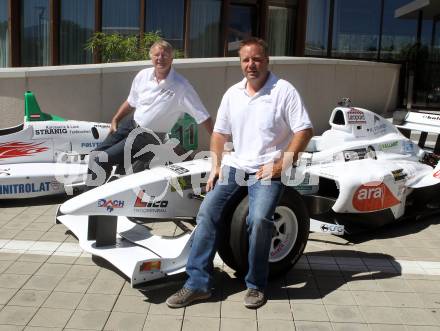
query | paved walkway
[389, 280]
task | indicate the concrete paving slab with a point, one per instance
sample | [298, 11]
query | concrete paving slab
[29, 298]
[104, 302]
[163, 322]
[16, 315]
[313, 326]
[275, 325]
[205, 309]
[51, 317]
[42, 282]
[239, 324]
[234, 309]
[23, 268]
[13, 280]
[310, 312]
[88, 319]
[125, 321]
[6, 294]
[350, 327]
[73, 284]
[131, 304]
[344, 314]
[64, 300]
[193, 323]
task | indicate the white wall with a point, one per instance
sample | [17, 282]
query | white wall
[94, 92]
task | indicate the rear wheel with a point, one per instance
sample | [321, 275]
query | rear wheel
[291, 231]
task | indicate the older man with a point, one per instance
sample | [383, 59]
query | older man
[158, 96]
[265, 118]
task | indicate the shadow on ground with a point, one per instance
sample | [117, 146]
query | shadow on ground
[296, 284]
[39, 201]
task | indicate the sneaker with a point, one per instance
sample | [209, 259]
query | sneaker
[254, 298]
[185, 296]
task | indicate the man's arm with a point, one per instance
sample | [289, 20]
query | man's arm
[123, 110]
[208, 125]
[218, 141]
[297, 144]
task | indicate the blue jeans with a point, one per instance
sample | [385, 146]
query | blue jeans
[263, 199]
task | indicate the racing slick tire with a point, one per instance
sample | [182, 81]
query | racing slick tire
[291, 232]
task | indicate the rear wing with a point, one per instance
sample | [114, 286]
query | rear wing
[32, 111]
[422, 122]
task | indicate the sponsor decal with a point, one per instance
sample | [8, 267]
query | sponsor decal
[278, 249]
[356, 116]
[184, 183]
[436, 174]
[355, 154]
[167, 94]
[50, 131]
[103, 126]
[332, 228]
[25, 188]
[55, 185]
[373, 196]
[432, 117]
[359, 154]
[16, 149]
[408, 147]
[90, 145]
[378, 127]
[110, 205]
[79, 131]
[150, 205]
[399, 174]
[177, 169]
[388, 145]
[5, 172]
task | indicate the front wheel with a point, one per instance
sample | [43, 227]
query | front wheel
[290, 234]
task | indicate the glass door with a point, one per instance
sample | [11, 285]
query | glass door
[433, 86]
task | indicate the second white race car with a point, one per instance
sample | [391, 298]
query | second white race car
[46, 154]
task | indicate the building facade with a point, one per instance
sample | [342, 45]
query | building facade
[54, 32]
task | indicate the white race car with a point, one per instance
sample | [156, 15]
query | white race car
[46, 154]
[361, 173]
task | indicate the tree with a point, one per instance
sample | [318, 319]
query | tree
[117, 48]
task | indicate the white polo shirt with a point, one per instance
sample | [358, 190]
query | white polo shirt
[261, 125]
[159, 105]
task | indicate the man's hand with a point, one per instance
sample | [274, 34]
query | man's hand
[212, 180]
[113, 126]
[270, 170]
[297, 144]
[123, 110]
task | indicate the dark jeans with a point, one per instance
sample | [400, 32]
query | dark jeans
[113, 146]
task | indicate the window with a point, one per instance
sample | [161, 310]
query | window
[4, 35]
[281, 30]
[356, 26]
[317, 27]
[120, 16]
[398, 34]
[205, 28]
[35, 33]
[76, 27]
[242, 25]
[159, 17]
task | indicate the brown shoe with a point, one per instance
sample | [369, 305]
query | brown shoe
[254, 299]
[185, 296]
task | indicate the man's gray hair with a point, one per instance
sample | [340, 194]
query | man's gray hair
[163, 44]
